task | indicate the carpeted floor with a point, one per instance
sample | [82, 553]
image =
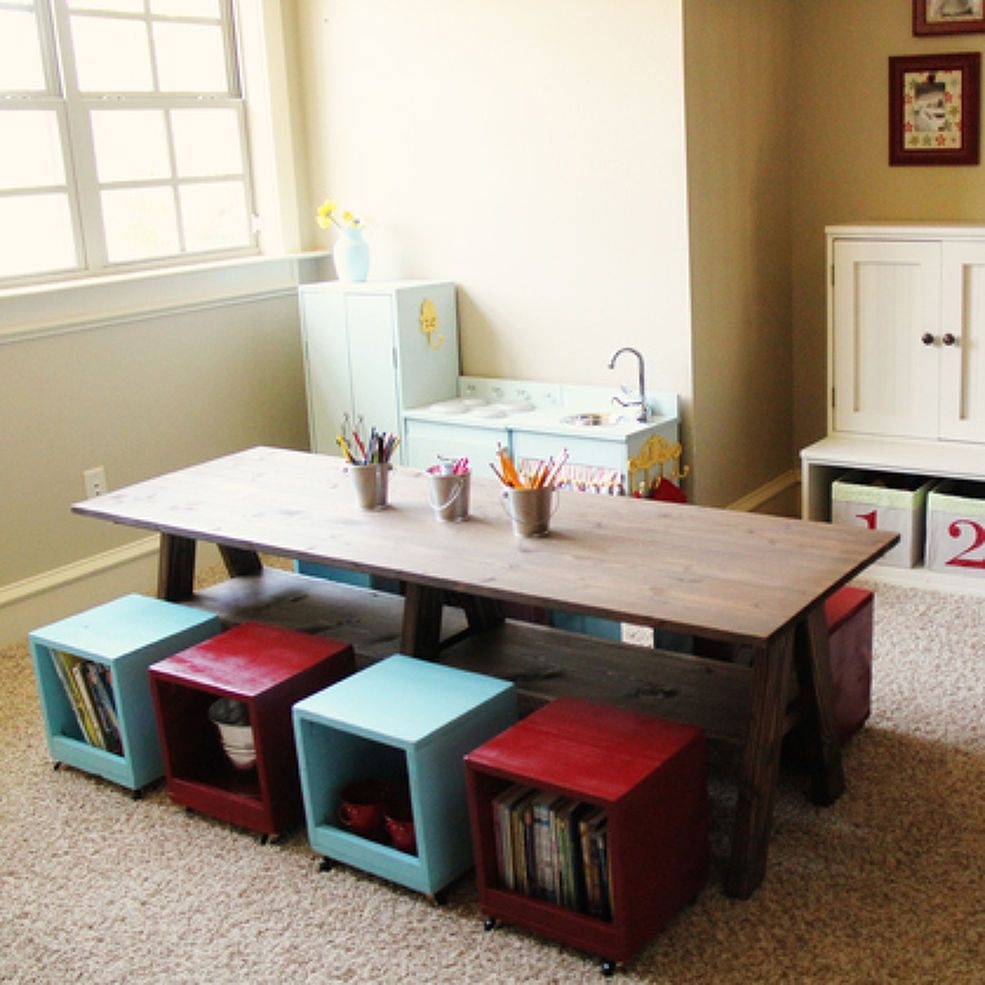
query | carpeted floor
[887, 885]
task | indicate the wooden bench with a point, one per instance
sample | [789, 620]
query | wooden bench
[542, 662]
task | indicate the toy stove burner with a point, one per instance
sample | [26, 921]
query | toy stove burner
[489, 411]
[449, 407]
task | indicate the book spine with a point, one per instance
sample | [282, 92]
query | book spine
[544, 883]
[63, 669]
[93, 731]
[602, 851]
[104, 706]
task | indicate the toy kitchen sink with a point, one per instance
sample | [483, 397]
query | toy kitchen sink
[535, 421]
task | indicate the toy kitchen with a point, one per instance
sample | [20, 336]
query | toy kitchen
[386, 355]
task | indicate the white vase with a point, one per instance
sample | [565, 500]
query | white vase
[351, 255]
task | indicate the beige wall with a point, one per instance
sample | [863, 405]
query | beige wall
[170, 382]
[537, 154]
[839, 148]
[738, 76]
[532, 152]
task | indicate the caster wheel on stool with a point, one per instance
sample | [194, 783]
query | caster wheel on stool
[326, 865]
[608, 968]
[490, 924]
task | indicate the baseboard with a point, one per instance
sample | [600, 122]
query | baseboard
[61, 592]
[773, 493]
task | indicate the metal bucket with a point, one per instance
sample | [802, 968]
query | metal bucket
[531, 510]
[449, 494]
[371, 485]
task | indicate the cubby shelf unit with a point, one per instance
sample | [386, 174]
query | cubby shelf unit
[268, 669]
[127, 635]
[409, 722]
[651, 778]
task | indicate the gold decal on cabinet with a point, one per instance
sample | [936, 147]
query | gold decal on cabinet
[656, 453]
[429, 324]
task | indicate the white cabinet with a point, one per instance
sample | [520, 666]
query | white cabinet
[907, 320]
[962, 367]
[373, 349]
[906, 356]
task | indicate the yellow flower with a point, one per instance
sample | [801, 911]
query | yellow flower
[325, 216]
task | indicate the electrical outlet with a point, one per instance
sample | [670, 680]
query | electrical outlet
[95, 480]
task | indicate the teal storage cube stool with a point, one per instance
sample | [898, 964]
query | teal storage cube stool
[93, 682]
[405, 724]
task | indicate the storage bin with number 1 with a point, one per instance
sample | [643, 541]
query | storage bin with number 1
[884, 501]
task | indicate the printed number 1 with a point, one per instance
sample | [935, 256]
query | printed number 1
[870, 518]
[962, 560]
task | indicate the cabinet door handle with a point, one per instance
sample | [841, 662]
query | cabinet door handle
[948, 339]
[927, 338]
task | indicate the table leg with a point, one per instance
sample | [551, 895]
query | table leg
[760, 767]
[240, 562]
[176, 568]
[482, 613]
[812, 659]
[421, 632]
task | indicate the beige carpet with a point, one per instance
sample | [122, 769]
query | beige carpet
[885, 886]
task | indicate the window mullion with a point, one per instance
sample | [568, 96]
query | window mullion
[87, 182]
[49, 47]
[173, 162]
[84, 189]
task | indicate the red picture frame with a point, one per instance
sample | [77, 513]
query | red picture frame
[934, 109]
[948, 17]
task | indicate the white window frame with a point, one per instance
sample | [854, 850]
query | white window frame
[72, 110]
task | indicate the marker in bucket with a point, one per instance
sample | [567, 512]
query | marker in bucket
[369, 466]
[448, 488]
[377, 450]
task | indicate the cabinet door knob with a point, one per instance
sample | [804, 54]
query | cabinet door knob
[927, 338]
[948, 339]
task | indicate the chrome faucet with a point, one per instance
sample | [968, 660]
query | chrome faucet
[644, 414]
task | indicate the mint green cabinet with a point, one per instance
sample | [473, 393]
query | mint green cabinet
[373, 349]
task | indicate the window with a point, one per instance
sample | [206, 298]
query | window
[123, 136]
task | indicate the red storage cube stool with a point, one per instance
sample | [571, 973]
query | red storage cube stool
[590, 825]
[246, 771]
[849, 617]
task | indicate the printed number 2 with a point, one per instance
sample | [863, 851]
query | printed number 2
[962, 560]
[870, 518]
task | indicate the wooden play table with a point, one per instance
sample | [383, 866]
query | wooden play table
[754, 583]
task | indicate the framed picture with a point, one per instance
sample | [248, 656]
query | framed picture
[934, 108]
[948, 16]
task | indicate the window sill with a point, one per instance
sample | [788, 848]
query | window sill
[76, 305]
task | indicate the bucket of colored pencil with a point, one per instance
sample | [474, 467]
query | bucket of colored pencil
[531, 509]
[530, 497]
[371, 483]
